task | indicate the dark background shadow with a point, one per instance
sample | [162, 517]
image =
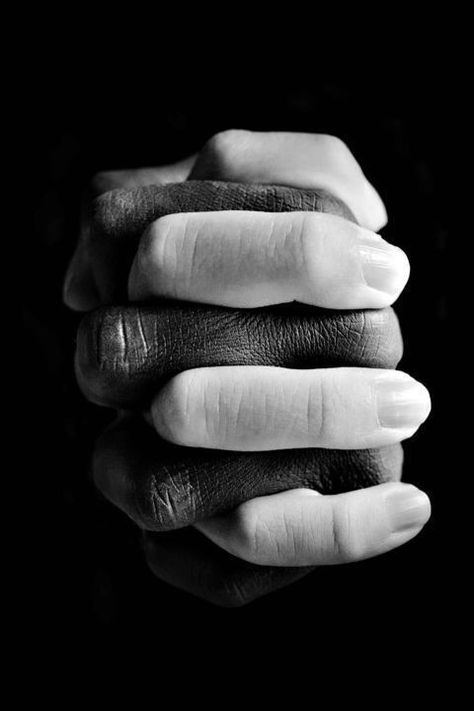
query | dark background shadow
[87, 568]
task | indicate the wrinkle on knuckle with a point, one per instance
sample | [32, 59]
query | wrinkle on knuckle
[154, 256]
[166, 504]
[311, 238]
[316, 410]
[288, 540]
[247, 536]
[103, 341]
[270, 541]
[115, 346]
[129, 347]
[343, 541]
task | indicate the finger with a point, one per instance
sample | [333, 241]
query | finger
[189, 561]
[301, 527]
[162, 487]
[249, 259]
[259, 408]
[301, 160]
[124, 354]
[119, 218]
[80, 289]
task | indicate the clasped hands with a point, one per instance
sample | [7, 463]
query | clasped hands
[239, 319]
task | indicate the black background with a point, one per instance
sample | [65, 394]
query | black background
[86, 569]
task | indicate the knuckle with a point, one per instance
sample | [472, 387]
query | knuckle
[312, 233]
[107, 213]
[344, 544]
[163, 505]
[154, 252]
[252, 539]
[245, 526]
[153, 495]
[176, 412]
[322, 407]
[222, 149]
[112, 344]
[100, 352]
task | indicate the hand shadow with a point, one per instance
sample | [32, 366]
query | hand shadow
[187, 560]
[166, 488]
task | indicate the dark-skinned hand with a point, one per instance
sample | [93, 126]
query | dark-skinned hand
[246, 314]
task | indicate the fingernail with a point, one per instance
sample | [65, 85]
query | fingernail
[407, 508]
[384, 266]
[401, 402]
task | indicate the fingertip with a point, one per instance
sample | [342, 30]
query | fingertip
[408, 509]
[402, 403]
[385, 269]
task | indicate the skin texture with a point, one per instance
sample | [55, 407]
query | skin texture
[118, 219]
[125, 353]
[162, 486]
[300, 160]
[249, 259]
[122, 354]
[313, 162]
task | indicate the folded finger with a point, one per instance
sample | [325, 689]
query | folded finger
[261, 408]
[302, 527]
[116, 221]
[163, 487]
[125, 353]
[301, 160]
[250, 259]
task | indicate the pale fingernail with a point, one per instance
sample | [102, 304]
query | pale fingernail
[384, 266]
[407, 508]
[401, 402]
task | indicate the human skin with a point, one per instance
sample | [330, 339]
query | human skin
[251, 260]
